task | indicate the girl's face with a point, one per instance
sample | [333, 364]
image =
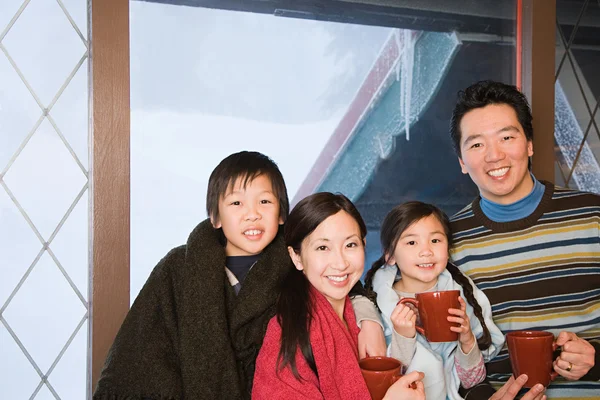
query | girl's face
[332, 258]
[421, 254]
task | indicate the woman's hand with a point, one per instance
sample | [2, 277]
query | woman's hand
[511, 388]
[404, 320]
[465, 334]
[577, 356]
[371, 341]
[408, 387]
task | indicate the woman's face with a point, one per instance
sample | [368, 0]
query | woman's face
[332, 257]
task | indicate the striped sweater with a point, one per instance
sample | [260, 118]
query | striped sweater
[541, 272]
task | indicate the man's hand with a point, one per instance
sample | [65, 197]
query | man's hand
[371, 341]
[577, 356]
[511, 388]
[408, 387]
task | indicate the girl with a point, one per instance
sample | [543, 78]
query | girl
[310, 348]
[415, 238]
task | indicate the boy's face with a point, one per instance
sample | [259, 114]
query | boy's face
[495, 153]
[249, 217]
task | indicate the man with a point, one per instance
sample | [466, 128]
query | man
[533, 248]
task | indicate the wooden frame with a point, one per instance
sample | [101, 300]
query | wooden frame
[109, 150]
[109, 177]
[536, 23]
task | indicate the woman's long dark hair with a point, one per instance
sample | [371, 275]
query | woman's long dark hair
[294, 305]
[395, 223]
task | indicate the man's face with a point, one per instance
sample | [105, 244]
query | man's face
[249, 217]
[495, 153]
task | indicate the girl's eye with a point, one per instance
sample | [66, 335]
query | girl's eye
[322, 248]
[265, 201]
[411, 243]
[436, 241]
[352, 244]
[235, 203]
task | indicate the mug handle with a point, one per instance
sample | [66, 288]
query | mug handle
[554, 374]
[415, 303]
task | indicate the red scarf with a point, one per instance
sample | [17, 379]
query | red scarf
[335, 349]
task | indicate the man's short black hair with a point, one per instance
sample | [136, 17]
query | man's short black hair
[482, 94]
[245, 165]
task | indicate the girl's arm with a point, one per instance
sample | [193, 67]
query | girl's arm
[371, 340]
[403, 348]
[469, 366]
[404, 333]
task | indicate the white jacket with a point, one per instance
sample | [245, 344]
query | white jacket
[436, 360]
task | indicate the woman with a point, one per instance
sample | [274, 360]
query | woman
[310, 348]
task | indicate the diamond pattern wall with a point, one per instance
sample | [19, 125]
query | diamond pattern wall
[577, 117]
[43, 198]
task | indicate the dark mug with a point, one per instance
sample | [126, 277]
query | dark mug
[531, 353]
[433, 314]
[380, 373]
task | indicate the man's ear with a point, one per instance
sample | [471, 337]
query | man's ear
[462, 166]
[530, 148]
[216, 223]
[295, 258]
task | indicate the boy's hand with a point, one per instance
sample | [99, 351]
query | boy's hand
[404, 320]
[511, 388]
[465, 337]
[371, 341]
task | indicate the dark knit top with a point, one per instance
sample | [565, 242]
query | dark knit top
[540, 272]
[187, 334]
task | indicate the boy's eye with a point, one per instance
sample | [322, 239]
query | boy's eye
[235, 203]
[476, 145]
[436, 241]
[507, 138]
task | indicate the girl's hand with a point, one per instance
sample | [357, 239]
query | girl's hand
[371, 341]
[404, 320]
[465, 337]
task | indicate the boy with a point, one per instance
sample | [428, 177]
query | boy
[196, 327]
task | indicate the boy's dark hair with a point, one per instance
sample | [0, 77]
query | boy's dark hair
[482, 94]
[294, 305]
[245, 165]
[395, 223]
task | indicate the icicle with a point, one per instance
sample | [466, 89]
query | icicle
[397, 37]
[399, 66]
[408, 60]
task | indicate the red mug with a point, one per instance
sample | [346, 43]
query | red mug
[433, 314]
[380, 373]
[531, 353]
